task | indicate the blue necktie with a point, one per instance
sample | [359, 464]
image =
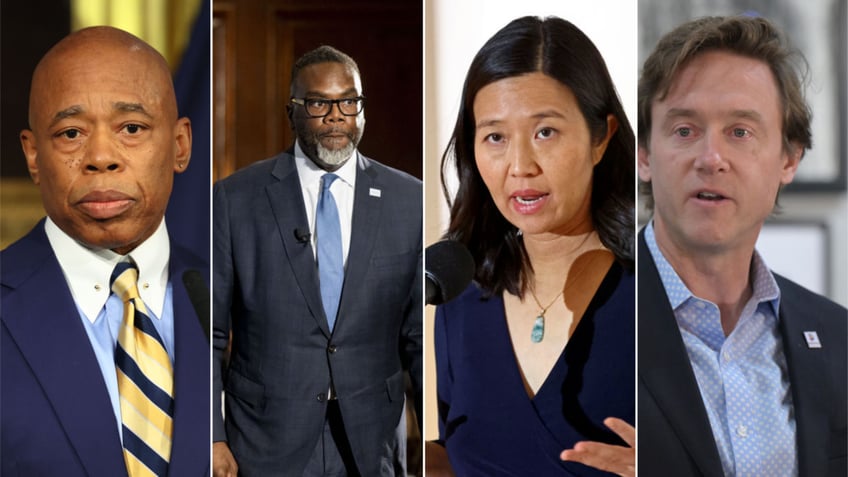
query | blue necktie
[328, 231]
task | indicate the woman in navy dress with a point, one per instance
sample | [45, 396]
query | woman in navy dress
[535, 360]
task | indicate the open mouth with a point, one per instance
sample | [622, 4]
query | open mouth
[710, 196]
[529, 200]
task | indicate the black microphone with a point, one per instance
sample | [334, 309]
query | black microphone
[448, 269]
[198, 293]
[302, 235]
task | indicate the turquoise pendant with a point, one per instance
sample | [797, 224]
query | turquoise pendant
[538, 329]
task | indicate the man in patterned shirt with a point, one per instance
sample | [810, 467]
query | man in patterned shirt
[741, 371]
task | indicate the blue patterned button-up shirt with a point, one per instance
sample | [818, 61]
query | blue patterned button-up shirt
[742, 377]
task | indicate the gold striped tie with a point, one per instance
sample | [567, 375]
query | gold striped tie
[145, 382]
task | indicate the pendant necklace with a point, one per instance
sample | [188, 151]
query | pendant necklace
[538, 332]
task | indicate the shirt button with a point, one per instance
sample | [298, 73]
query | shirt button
[725, 356]
[742, 430]
[322, 397]
[700, 305]
[332, 349]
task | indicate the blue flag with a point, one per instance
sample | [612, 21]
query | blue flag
[188, 209]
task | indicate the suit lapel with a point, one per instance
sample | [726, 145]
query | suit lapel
[367, 207]
[807, 382]
[287, 205]
[665, 370]
[50, 335]
[190, 451]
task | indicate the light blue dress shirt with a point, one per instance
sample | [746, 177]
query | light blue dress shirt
[87, 272]
[103, 334]
[742, 377]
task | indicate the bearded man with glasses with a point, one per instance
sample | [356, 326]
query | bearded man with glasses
[318, 277]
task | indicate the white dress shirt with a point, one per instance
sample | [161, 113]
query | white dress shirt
[342, 190]
[88, 271]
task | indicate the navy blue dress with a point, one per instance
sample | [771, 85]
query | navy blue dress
[488, 423]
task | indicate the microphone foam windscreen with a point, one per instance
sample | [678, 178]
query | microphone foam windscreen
[451, 266]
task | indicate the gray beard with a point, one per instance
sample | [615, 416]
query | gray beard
[334, 157]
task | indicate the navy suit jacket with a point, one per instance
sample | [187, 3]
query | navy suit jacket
[674, 434]
[283, 355]
[55, 414]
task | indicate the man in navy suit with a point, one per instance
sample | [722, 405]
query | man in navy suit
[308, 390]
[741, 371]
[104, 144]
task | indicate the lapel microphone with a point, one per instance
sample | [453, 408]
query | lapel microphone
[302, 235]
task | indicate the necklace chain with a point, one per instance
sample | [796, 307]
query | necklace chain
[545, 308]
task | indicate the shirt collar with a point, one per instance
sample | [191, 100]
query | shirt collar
[310, 174]
[87, 270]
[765, 287]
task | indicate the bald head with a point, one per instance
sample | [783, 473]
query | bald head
[98, 51]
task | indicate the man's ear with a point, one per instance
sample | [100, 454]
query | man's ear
[31, 152]
[290, 114]
[182, 136]
[644, 164]
[791, 159]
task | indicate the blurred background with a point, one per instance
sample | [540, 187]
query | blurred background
[177, 29]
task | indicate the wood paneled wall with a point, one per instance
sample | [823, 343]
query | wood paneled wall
[255, 44]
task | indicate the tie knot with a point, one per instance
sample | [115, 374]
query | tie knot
[327, 180]
[124, 281]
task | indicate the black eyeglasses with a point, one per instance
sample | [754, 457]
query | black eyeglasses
[318, 108]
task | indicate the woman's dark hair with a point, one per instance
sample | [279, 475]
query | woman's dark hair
[560, 50]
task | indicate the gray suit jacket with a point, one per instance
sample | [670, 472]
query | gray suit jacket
[283, 355]
[674, 434]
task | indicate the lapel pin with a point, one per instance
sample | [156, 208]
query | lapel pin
[812, 339]
[375, 192]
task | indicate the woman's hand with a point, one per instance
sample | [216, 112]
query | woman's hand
[611, 458]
